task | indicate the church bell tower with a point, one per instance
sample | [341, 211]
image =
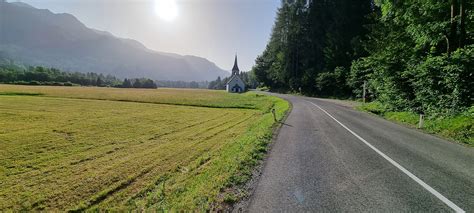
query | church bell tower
[235, 69]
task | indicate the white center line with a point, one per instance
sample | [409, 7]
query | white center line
[411, 175]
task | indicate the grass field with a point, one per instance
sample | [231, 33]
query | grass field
[76, 148]
[186, 97]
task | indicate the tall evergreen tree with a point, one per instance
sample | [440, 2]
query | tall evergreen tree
[414, 54]
[309, 40]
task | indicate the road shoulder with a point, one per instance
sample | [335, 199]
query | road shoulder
[249, 188]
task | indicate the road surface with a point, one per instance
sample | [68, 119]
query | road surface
[329, 157]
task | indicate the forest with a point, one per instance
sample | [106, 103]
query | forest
[414, 55]
[18, 74]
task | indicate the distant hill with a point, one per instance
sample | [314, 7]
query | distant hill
[39, 37]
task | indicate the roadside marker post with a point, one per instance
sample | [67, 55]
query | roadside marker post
[422, 121]
[274, 115]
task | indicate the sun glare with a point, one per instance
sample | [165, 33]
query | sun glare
[166, 9]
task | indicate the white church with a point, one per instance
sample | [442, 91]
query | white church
[235, 83]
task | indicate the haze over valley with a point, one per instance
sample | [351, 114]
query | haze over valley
[39, 37]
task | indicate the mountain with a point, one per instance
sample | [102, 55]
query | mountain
[39, 37]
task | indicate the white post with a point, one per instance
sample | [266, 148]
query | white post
[363, 91]
[421, 122]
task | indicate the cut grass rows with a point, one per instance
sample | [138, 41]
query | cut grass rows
[107, 169]
[186, 159]
[185, 97]
[58, 153]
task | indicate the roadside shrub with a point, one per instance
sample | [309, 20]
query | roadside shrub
[445, 84]
[332, 84]
[387, 79]
[361, 70]
[439, 84]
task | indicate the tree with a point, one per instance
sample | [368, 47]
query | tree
[137, 83]
[127, 84]
[400, 48]
[312, 38]
[99, 82]
[148, 83]
[19, 74]
[416, 58]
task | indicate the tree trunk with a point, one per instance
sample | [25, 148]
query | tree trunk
[453, 28]
[462, 26]
[447, 44]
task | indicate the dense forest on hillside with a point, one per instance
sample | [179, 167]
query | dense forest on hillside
[15, 74]
[415, 55]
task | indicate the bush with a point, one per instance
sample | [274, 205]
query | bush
[34, 83]
[445, 84]
[442, 84]
[332, 84]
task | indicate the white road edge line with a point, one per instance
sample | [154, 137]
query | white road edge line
[411, 175]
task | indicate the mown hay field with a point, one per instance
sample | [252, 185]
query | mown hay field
[125, 149]
[187, 97]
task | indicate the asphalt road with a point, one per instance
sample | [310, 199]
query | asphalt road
[328, 157]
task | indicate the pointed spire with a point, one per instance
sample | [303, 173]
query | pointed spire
[235, 69]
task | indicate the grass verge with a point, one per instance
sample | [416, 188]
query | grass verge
[459, 128]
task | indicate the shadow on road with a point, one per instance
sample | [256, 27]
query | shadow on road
[282, 123]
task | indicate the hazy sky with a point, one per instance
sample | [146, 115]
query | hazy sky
[214, 29]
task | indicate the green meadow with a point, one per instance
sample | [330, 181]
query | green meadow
[88, 148]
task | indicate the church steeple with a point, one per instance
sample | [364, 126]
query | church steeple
[235, 69]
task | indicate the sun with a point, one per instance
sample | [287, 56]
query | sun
[166, 9]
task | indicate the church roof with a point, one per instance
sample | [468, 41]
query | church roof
[234, 77]
[236, 67]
